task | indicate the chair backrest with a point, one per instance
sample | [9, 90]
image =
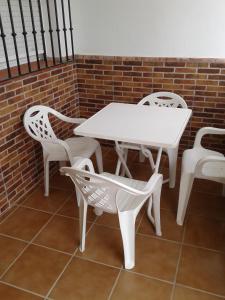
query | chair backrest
[164, 99]
[101, 192]
[37, 125]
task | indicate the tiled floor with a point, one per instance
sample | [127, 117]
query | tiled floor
[40, 259]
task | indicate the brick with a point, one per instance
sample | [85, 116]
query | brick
[166, 70]
[209, 71]
[13, 86]
[29, 80]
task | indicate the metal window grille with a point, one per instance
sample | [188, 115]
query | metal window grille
[39, 33]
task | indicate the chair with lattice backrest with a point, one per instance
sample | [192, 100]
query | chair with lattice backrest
[160, 99]
[116, 195]
[164, 99]
[37, 124]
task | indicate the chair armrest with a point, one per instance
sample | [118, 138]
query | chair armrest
[206, 130]
[155, 181]
[65, 118]
[211, 166]
[83, 164]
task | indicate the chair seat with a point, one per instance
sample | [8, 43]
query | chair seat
[192, 156]
[126, 201]
[82, 146]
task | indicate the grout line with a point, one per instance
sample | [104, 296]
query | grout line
[150, 277]
[9, 213]
[114, 285]
[53, 249]
[178, 264]
[158, 238]
[67, 264]
[98, 262]
[21, 289]
[29, 243]
[13, 237]
[199, 290]
[59, 276]
[203, 248]
[36, 209]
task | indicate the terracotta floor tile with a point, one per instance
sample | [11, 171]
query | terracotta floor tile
[112, 220]
[131, 286]
[70, 209]
[24, 223]
[140, 171]
[155, 257]
[206, 273]
[105, 245]
[170, 230]
[205, 232]
[209, 205]
[48, 204]
[109, 154]
[61, 233]
[6, 214]
[36, 269]
[207, 186]
[85, 280]
[9, 249]
[169, 198]
[182, 293]
[109, 166]
[10, 293]
[61, 181]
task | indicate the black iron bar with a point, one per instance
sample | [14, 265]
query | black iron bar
[71, 28]
[34, 33]
[64, 29]
[42, 32]
[24, 35]
[14, 36]
[58, 30]
[2, 34]
[50, 31]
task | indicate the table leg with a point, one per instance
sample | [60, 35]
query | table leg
[121, 155]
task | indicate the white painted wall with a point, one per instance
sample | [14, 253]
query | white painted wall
[155, 28]
[18, 28]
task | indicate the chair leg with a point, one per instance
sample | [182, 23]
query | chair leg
[98, 211]
[141, 157]
[79, 197]
[156, 210]
[46, 176]
[172, 155]
[186, 183]
[82, 221]
[127, 227]
[118, 166]
[98, 155]
[154, 202]
[125, 158]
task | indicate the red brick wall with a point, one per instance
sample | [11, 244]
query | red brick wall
[21, 157]
[88, 85]
[201, 82]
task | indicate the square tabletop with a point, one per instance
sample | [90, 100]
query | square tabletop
[138, 124]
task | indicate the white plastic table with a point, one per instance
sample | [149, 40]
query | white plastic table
[161, 127]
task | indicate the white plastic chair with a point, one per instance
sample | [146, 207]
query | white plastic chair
[37, 125]
[115, 194]
[199, 162]
[161, 99]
